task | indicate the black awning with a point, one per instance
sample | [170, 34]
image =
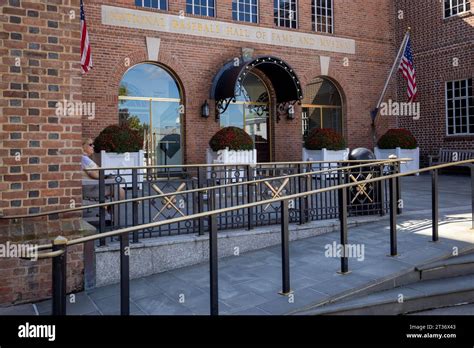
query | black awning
[283, 78]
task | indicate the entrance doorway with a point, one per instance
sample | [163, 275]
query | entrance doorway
[251, 111]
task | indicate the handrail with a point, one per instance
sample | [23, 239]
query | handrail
[50, 255]
[139, 199]
[235, 165]
[255, 204]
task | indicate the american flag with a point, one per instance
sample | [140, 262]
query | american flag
[86, 57]
[408, 69]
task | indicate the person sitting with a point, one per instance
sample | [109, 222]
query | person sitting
[92, 191]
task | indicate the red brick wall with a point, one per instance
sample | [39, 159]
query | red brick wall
[436, 42]
[46, 170]
[195, 61]
[39, 151]
[29, 280]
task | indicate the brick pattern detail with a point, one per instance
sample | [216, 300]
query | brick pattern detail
[40, 152]
[25, 280]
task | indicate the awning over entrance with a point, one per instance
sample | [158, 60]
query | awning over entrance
[226, 83]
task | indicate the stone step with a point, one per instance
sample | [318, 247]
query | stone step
[445, 267]
[415, 297]
[453, 267]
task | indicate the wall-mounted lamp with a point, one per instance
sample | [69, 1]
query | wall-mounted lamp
[205, 109]
[291, 112]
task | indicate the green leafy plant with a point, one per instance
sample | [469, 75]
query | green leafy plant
[119, 139]
[329, 139]
[231, 137]
[394, 138]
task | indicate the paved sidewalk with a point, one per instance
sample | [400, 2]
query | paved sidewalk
[249, 283]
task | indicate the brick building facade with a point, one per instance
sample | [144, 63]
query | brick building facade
[443, 45]
[40, 150]
[195, 60]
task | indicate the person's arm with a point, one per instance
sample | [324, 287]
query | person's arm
[87, 163]
[93, 174]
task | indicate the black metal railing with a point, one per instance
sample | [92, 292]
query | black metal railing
[60, 245]
[235, 185]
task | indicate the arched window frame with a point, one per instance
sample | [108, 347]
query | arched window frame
[149, 100]
[305, 105]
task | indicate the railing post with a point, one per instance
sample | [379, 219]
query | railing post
[382, 192]
[309, 187]
[102, 210]
[213, 255]
[434, 204]
[124, 275]
[393, 217]
[285, 248]
[135, 204]
[201, 180]
[59, 276]
[342, 200]
[116, 197]
[303, 201]
[472, 194]
[250, 196]
[399, 190]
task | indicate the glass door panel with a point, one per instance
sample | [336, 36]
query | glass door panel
[256, 118]
[166, 132]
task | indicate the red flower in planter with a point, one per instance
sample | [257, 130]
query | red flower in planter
[394, 138]
[327, 138]
[231, 137]
[119, 139]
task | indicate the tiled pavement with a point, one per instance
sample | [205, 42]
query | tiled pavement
[249, 283]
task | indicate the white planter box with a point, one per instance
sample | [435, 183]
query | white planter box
[231, 157]
[123, 160]
[401, 153]
[227, 156]
[325, 155]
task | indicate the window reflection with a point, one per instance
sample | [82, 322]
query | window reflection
[322, 106]
[148, 80]
[149, 100]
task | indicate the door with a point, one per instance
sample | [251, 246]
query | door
[257, 125]
[251, 112]
[166, 131]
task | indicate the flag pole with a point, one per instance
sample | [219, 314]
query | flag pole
[375, 111]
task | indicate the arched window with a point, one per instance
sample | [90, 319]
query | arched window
[322, 106]
[150, 101]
